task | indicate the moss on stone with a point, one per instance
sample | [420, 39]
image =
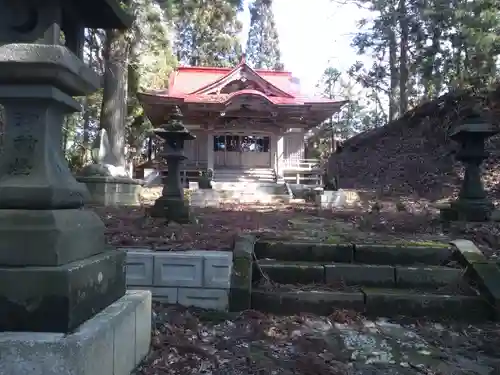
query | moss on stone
[242, 271]
[425, 244]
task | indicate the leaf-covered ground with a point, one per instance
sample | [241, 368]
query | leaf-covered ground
[191, 341]
[215, 228]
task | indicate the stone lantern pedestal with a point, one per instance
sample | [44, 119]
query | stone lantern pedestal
[472, 203]
[171, 205]
[108, 185]
[64, 308]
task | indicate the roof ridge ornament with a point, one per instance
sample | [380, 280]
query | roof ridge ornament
[243, 59]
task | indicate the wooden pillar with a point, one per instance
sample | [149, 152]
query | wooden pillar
[210, 149]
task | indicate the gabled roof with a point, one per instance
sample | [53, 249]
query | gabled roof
[242, 71]
[206, 85]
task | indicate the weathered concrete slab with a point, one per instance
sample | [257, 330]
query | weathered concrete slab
[304, 251]
[402, 255]
[293, 272]
[487, 277]
[111, 343]
[387, 302]
[294, 302]
[468, 253]
[360, 274]
[427, 277]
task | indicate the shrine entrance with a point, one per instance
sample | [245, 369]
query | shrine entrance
[235, 150]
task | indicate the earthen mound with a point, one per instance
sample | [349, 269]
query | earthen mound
[413, 155]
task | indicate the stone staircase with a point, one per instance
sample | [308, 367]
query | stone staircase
[241, 186]
[265, 175]
[432, 280]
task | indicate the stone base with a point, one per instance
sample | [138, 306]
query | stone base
[467, 210]
[112, 191]
[49, 237]
[59, 299]
[171, 209]
[331, 199]
[113, 342]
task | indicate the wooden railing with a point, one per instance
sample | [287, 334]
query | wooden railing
[302, 164]
[303, 171]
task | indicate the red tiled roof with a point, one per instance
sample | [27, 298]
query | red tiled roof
[190, 83]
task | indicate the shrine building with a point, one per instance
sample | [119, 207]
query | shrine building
[242, 118]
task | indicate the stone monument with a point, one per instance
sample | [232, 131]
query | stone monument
[108, 182]
[63, 304]
[171, 205]
[472, 203]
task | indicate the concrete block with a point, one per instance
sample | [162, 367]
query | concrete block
[140, 267]
[216, 299]
[467, 252]
[161, 294]
[142, 327]
[178, 269]
[107, 344]
[124, 346]
[331, 199]
[217, 269]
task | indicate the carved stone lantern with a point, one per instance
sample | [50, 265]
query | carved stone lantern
[472, 203]
[63, 300]
[171, 205]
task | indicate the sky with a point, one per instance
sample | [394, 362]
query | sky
[312, 37]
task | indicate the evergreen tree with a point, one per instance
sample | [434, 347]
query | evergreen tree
[207, 32]
[424, 48]
[262, 50]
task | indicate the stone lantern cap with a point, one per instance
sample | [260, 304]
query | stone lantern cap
[474, 123]
[179, 133]
[33, 64]
[174, 128]
[102, 14]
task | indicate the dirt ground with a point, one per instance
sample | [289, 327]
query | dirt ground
[192, 341]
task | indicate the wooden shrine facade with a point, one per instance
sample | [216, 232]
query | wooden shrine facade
[241, 117]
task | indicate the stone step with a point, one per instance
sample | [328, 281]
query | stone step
[435, 281]
[250, 187]
[372, 302]
[363, 253]
[238, 175]
[429, 278]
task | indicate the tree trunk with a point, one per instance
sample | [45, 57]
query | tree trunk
[114, 101]
[86, 132]
[393, 104]
[403, 58]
